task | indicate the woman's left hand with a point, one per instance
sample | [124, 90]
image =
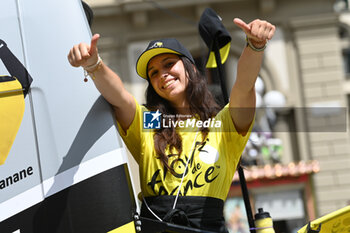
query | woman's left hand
[258, 31]
[242, 97]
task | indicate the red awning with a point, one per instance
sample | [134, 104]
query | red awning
[279, 170]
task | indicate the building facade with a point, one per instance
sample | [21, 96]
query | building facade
[306, 61]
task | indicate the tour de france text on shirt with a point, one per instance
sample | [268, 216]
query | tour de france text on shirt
[199, 175]
[206, 177]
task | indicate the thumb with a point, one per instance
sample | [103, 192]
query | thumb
[93, 44]
[242, 25]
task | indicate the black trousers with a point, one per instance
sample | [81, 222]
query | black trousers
[204, 213]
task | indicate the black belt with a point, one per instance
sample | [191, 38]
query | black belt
[15, 67]
[204, 213]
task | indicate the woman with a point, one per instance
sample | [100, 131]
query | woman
[185, 174]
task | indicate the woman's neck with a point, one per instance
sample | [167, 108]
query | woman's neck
[182, 108]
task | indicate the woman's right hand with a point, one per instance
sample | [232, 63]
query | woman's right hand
[84, 54]
[107, 82]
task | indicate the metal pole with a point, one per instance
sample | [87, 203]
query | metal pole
[245, 194]
[242, 180]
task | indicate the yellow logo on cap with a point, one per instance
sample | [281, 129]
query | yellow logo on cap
[157, 45]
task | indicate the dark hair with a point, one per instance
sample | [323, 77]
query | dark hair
[88, 12]
[201, 103]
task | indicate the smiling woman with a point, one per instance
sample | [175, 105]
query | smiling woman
[167, 75]
[185, 172]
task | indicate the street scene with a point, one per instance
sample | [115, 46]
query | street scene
[175, 116]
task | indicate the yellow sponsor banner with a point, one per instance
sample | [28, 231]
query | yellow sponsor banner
[127, 228]
[11, 113]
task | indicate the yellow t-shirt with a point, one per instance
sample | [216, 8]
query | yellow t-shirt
[210, 169]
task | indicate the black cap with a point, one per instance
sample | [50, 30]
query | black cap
[211, 29]
[261, 214]
[156, 47]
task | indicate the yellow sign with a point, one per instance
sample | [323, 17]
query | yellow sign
[335, 222]
[127, 228]
[11, 113]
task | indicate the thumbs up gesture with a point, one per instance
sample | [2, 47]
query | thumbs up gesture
[84, 54]
[258, 31]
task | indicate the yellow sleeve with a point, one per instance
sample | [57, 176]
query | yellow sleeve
[133, 137]
[232, 142]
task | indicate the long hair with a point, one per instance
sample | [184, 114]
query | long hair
[201, 103]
